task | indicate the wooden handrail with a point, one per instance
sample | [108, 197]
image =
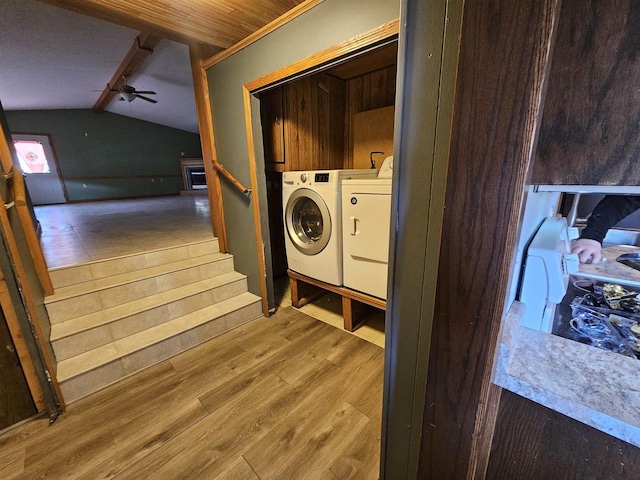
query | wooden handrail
[229, 176]
[20, 198]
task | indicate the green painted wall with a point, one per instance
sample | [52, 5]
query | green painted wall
[328, 24]
[110, 146]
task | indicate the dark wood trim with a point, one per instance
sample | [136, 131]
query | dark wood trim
[502, 66]
[532, 442]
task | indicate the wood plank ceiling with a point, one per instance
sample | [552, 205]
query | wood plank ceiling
[219, 23]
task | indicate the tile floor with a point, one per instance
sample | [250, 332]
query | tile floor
[75, 233]
[81, 232]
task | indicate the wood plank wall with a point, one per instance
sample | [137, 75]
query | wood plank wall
[591, 122]
[500, 72]
[534, 442]
[372, 90]
[313, 136]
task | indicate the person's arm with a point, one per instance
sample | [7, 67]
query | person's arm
[609, 211]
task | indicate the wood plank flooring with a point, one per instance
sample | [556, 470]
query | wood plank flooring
[287, 397]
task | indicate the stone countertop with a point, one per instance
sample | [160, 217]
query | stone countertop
[610, 270]
[594, 386]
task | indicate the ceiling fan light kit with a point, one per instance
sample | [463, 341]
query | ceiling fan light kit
[129, 93]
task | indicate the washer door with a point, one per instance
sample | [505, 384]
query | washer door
[308, 221]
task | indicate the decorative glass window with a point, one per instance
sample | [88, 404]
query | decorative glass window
[32, 156]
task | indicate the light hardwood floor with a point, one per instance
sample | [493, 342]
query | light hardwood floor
[288, 397]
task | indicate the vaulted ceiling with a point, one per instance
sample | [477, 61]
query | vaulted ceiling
[61, 54]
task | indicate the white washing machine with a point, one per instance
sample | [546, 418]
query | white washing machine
[366, 222]
[312, 221]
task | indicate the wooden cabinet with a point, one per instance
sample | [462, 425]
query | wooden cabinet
[303, 124]
[276, 224]
[271, 113]
[590, 131]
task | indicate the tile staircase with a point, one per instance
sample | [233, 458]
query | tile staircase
[114, 317]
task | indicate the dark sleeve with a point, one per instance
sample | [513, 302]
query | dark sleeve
[609, 211]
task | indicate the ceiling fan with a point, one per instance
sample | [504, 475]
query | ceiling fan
[129, 93]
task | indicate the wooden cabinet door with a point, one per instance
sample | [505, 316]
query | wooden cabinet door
[303, 124]
[314, 109]
[590, 132]
[271, 113]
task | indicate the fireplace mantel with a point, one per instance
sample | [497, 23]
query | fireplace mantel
[193, 176]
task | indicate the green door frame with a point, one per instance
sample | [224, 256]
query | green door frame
[427, 64]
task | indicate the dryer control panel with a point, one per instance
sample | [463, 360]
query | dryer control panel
[322, 178]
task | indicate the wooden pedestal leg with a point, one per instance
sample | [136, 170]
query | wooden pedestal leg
[303, 293]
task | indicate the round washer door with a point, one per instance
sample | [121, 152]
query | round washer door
[308, 221]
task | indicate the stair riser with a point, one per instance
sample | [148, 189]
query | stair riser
[78, 387]
[82, 273]
[103, 334]
[66, 309]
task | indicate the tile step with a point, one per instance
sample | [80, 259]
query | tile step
[75, 336]
[84, 374]
[71, 275]
[61, 309]
[66, 326]
[91, 286]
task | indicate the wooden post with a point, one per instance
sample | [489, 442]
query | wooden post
[207, 141]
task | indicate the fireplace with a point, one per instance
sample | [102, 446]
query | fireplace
[193, 176]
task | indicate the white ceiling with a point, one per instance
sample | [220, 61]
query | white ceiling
[51, 58]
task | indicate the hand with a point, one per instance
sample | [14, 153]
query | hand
[589, 251]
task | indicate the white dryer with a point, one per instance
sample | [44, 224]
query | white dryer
[312, 221]
[366, 220]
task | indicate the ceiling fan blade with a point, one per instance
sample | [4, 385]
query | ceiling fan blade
[146, 98]
[147, 92]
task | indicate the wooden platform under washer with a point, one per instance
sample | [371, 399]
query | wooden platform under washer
[356, 306]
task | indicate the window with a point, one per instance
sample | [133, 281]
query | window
[32, 157]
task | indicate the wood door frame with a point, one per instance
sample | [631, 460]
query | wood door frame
[20, 300]
[306, 66]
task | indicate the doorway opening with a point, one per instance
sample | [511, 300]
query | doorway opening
[39, 164]
[333, 118]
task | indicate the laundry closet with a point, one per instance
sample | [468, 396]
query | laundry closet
[339, 118]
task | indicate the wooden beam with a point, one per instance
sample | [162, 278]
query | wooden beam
[258, 34]
[207, 141]
[142, 47]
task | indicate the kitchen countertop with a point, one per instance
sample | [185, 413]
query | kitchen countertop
[593, 386]
[610, 270]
